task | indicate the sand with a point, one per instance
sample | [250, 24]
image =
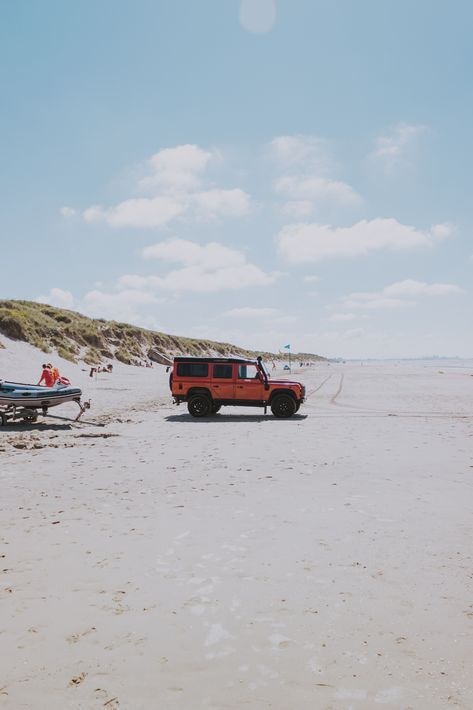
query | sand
[150, 560]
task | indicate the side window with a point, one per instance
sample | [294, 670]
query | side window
[247, 372]
[223, 372]
[192, 369]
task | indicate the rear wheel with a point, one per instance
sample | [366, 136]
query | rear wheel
[199, 406]
[283, 406]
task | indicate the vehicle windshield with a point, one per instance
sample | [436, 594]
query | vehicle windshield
[264, 368]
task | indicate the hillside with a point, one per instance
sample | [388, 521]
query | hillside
[76, 337]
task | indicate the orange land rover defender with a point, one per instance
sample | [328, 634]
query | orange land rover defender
[207, 384]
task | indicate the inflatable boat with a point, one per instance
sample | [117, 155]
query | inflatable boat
[20, 401]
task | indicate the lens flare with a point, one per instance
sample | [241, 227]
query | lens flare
[258, 16]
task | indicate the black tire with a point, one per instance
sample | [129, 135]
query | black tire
[216, 408]
[283, 406]
[298, 406]
[199, 405]
[30, 418]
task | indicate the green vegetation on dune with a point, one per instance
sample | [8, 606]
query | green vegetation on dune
[77, 337]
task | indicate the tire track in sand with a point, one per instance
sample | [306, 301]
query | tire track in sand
[316, 389]
[339, 390]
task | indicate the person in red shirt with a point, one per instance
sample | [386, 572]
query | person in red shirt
[47, 377]
[55, 372]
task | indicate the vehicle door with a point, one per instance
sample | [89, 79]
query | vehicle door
[249, 385]
[222, 384]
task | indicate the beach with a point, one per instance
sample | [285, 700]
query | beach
[152, 560]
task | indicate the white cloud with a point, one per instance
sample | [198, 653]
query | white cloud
[140, 283]
[342, 317]
[311, 242]
[119, 305]
[442, 231]
[397, 295]
[59, 298]
[311, 279]
[306, 182]
[310, 153]
[249, 312]
[122, 305]
[316, 189]
[353, 333]
[67, 212]
[209, 256]
[374, 301]
[216, 203]
[257, 16]
[196, 278]
[204, 268]
[396, 147]
[410, 287]
[138, 212]
[298, 208]
[175, 186]
[178, 168]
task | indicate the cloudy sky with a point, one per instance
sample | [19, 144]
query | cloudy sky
[257, 171]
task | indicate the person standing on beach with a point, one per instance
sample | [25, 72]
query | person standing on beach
[47, 377]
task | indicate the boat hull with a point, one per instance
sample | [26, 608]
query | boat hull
[15, 394]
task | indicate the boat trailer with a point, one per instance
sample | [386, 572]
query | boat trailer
[29, 415]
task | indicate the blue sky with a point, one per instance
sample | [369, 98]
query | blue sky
[255, 171]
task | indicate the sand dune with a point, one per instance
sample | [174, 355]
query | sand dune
[150, 560]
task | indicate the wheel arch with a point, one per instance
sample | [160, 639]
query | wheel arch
[198, 390]
[277, 392]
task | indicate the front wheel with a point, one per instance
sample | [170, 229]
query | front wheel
[283, 406]
[199, 406]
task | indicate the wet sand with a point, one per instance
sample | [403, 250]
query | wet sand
[149, 560]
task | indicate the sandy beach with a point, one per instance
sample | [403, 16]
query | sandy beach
[150, 560]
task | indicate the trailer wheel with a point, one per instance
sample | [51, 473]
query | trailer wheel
[283, 406]
[199, 406]
[30, 418]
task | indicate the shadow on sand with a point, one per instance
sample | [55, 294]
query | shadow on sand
[15, 428]
[46, 425]
[224, 418]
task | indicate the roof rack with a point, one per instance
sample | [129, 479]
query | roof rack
[190, 358]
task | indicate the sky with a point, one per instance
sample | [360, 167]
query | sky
[261, 172]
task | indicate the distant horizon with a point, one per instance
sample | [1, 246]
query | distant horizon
[285, 354]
